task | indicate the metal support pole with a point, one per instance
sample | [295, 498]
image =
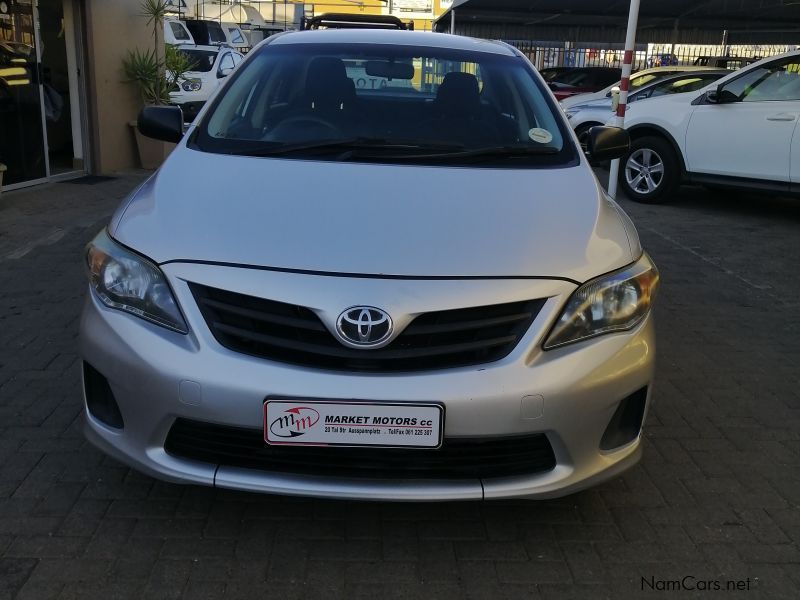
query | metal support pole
[453, 21]
[627, 65]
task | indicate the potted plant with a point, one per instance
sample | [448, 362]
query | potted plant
[154, 74]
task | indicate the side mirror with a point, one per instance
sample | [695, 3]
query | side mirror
[721, 96]
[607, 143]
[224, 72]
[163, 123]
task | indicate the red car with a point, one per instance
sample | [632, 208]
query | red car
[582, 80]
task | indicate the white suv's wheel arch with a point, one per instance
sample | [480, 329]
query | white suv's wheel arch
[641, 131]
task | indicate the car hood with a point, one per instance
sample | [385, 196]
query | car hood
[593, 103]
[582, 98]
[402, 220]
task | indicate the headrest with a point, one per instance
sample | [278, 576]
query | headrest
[459, 94]
[327, 84]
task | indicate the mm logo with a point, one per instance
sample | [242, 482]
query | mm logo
[294, 422]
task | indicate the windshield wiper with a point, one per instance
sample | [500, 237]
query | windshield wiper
[346, 145]
[489, 152]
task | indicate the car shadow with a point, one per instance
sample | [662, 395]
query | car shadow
[733, 202]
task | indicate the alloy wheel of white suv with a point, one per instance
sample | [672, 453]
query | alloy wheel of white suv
[650, 171]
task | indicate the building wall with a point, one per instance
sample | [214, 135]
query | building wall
[112, 27]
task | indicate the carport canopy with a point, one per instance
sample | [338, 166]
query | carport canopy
[751, 21]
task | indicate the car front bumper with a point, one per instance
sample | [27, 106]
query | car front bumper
[570, 394]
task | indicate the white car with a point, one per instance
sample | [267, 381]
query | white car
[738, 132]
[582, 117]
[176, 33]
[638, 81]
[211, 65]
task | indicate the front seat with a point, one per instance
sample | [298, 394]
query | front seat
[458, 111]
[328, 88]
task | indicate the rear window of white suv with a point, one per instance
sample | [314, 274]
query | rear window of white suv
[386, 103]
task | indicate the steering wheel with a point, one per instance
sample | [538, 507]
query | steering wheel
[293, 122]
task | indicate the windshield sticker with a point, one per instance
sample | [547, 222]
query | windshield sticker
[542, 136]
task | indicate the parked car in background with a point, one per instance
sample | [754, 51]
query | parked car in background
[416, 292]
[176, 33]
[550, 73]
[210, 66]
[206, 32]
[355, 21]
[638, 80]
[582, 79]
[236, 37]
[741, 131]
[724, 62]
[583, 116]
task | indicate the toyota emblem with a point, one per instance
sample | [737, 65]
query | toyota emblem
[364, 327]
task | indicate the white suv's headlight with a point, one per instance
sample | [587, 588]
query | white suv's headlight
[192, 85]
[126, 281]
[618, 301]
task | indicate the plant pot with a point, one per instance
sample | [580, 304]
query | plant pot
[151, 152]
[2, 170]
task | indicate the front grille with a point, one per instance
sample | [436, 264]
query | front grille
[295, 334]
[458, 458]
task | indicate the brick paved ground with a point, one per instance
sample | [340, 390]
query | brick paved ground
[717, 495]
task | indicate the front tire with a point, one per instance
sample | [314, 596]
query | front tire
[650, 173]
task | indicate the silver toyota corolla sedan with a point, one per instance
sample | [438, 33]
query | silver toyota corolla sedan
[377, 266]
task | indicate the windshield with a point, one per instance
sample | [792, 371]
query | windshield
[387, 104]
[201, 61]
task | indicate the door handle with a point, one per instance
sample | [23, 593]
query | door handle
[782, 117]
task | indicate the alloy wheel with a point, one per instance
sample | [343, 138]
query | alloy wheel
[644, 171]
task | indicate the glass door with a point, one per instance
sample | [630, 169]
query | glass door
[61, 82]
[22, 141]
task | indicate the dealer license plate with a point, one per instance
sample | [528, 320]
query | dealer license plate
[318, 423]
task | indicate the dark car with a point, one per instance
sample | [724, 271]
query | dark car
[724, 62]
[582, 80]
[551, 73]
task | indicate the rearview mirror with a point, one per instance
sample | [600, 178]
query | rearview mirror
[390, 69]
[163, 123]
[607, 143]
[224, 72]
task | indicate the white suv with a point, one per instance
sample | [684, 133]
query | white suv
[210, 66]
[738, 132]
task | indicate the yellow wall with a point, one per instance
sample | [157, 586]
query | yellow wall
[112, 28]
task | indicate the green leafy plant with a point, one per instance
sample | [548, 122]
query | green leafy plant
[144, 70]
[152, 75]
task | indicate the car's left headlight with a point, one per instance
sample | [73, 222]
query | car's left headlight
[192, 85]
[128, 282]
[618, 301]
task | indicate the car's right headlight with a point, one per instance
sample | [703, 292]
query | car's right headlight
[128, 282]
[618, 301]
